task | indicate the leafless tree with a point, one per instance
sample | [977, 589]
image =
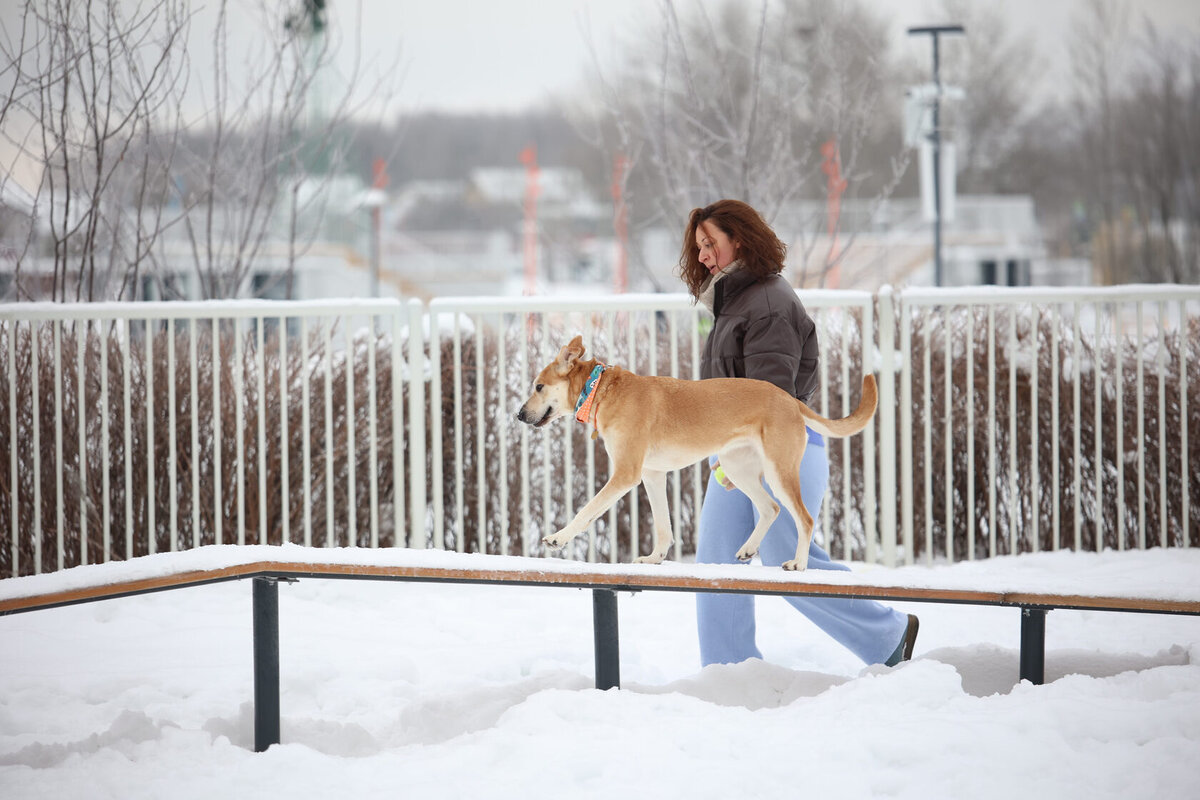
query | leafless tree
[1137, 128]
[88, 82]
[141, 185]
[737, 104]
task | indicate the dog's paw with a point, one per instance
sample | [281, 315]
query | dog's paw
[557, 541]
[653, 558]
[746, 553]
[796, 565]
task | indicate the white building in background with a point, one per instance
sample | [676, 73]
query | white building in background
[992, 240]
[465, 237]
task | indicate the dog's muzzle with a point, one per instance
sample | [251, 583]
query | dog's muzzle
[524, 416]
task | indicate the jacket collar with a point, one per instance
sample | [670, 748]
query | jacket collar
[733, 284]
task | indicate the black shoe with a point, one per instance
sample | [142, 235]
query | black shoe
[904, 650]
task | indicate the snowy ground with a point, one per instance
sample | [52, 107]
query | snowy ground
[420, 690]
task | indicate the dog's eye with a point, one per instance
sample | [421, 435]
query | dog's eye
[539, 387]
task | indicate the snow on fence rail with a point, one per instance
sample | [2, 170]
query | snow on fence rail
[1010, 420]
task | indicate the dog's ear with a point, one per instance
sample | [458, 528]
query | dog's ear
[569, 354]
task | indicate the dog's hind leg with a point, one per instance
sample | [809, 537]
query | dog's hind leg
[786, 486]
[656, 490]
[743, 468]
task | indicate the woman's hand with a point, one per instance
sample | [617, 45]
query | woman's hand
[719, 473]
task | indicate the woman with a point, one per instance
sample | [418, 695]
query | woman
[731, 262]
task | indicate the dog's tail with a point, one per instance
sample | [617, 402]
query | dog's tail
[846, 426]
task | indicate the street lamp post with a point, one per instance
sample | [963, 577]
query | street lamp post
[934, 32]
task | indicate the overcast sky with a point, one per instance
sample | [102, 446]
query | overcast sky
[505, 54]
[509, 54]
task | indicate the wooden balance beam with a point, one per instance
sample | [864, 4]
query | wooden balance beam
[267, 566]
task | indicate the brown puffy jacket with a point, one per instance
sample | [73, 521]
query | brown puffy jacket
[761, 331]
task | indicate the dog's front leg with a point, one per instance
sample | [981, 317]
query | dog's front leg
[620, 483]
[656, 491]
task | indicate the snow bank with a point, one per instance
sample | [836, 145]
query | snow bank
[433, 691]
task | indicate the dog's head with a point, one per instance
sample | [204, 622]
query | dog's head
[552, 389]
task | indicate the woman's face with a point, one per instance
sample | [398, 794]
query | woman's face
[717, 250]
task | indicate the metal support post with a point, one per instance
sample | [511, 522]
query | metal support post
[1033, 644]
[266, 663]
[608, 648]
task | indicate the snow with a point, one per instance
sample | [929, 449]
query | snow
[433, 690]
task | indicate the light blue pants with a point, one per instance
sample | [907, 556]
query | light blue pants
[725, 622]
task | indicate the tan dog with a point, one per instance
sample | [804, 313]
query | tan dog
[653, 425]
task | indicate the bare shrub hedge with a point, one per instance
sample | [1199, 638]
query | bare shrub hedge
[1031, 487]
[509, 501]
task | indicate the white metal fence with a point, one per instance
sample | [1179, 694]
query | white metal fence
[1010, 420]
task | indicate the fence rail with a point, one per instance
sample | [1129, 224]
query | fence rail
[1010, 420]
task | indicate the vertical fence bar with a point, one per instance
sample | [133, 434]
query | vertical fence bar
[239, 406]
[1055, 462]
[547, 517]
[502, 433]
[399, 491]
[526, 328]
[1184, 474]
[677, 478]
[105, 451]
[285, 427]
[927, 416]
[1160, 363]
[81, 347]
[693, 320]
[194, 368]
[351, 445]
[435, 425]
[821, 325]
[460, 519]
[35, 376]
[260, 363]
[416, 410]
[889, 306]
[993, 473]
[306, 428]
[1077, 425]
[1119, 434]
[59, 538]
[14, 488]
[870, 514]
[373, 433]
[589, 446]
[171, 436]
[847, 496]
[126, 346]
[614, 546]
[1139, 348]
[480, 441]
[634, 522]
[217, 438]
[970, 411]
[1034, 495]
[1098, 395]
[1012, 435]
[327, 365]
[948, 430]
[148, 391]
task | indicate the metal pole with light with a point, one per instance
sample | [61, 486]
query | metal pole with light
[935, 31]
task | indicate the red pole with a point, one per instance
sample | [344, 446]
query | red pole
[620, 224]
[835, 187]
[529, 159]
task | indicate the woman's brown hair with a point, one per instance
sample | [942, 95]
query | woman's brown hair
[759, 249]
